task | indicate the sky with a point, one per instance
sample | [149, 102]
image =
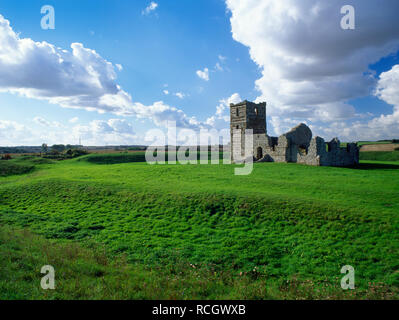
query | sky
[110, 71]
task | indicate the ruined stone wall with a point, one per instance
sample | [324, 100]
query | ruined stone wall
[334, 155]
[318, 153]
[311, 155]
[274, 149]
[329, 154]
[297, 145]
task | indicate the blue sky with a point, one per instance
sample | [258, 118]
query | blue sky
[161, 52]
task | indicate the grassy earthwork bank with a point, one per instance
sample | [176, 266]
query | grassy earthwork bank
[115, 227]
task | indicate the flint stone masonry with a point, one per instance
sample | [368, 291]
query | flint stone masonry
[297, 145]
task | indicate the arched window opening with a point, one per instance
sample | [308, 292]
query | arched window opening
[303, 150]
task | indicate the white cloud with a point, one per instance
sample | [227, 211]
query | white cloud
[204, 75]
[310, 67]
[160, 113]
[45, 123]
[96, 132]
[150, 8]
[119, 66]
[388, 87]
[41, 122]
[79, 79]
[221, 118]
[381, 127]
[218, 67]
[180, 95]
[100, 132]
[11, 131]
[166, 92]
[74, 120]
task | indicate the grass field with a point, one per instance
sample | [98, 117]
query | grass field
[380, 155]
[198, 231]
[362, 143]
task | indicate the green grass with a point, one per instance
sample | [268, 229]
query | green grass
[124, 157]
[114, 158]
[362, 143]
[91, 273]
[295, 225]
[380, 155]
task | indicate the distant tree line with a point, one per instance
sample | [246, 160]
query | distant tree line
[60, 151]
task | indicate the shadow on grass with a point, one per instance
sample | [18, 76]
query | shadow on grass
[375, 166]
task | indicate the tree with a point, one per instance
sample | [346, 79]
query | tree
[44, 148]
[58, 148]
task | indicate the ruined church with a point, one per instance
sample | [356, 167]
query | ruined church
[297, 145]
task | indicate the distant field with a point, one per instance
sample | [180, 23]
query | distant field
[362, 143]
[375, 145]
[380, 147]
[380, 155]
[284, 231]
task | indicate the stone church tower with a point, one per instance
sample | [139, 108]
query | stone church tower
[247, 115]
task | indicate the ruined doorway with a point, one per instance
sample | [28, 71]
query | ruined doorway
[259, 153]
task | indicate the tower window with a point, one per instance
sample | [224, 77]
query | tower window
[237, 112]
[256, 111]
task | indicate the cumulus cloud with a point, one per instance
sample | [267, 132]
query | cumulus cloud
[79, 79]
[371, 127]
[388, 87]
[11, 131]
[150, 8]
[161, 113]
[96, 132]
[203, 74]
[221, 118]
[100, 132]
[310, 67]
[95, 128]
[74, 120]
[166, 92]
